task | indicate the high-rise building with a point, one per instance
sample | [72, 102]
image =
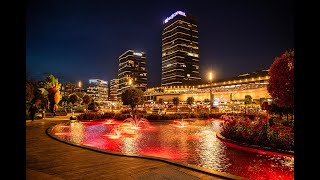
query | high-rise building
[68, 88]
[180, 50]
[114, 86]
[98, 90]
[132, 71]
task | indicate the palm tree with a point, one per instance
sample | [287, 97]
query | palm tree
[176, 102]
[190, 101]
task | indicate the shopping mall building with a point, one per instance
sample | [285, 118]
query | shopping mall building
[226, 91]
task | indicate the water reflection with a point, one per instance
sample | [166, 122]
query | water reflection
[195, 144]
[211, 152]
[77, 132]
[130, 145]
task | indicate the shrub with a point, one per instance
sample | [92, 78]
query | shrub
[258, 132]
[95, 116]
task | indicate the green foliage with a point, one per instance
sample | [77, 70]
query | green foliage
[95, 116]
[160, 101]
[93, 105]
[78, 109]
[190, 100]
[247, 99]
[262, 100]
[64, 101]
[258, 132]
[176, 102]
[86, 99]
[29, 91]
[52, 81]
[132, 97]
[73, 98]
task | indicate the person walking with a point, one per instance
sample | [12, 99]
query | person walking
[33, 109]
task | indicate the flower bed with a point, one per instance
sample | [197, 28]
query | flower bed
[258, 132]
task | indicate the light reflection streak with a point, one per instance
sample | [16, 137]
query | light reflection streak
[77, 131]
[129, 145]
[211, 153]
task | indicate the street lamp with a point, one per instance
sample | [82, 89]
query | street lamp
[210, 80]
[80, 84]
[130, 81]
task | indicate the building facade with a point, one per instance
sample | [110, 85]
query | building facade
[98, 90]
[180, 50]
[132, 71]
[68, 88]
[224, 91]
[114, 86]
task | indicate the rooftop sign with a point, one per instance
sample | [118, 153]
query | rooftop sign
[174, 15]
[137, 54]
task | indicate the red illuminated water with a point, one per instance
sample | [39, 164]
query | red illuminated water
[194, 143]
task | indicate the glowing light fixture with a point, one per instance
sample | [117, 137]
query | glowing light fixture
[174, 15]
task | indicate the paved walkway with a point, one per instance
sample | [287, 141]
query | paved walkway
[50, 159]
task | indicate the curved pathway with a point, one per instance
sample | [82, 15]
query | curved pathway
[50, 159]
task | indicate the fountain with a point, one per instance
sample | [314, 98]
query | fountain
[180, 123]
[115, 133]
[128, 127]
[136, 123]
[109, 121]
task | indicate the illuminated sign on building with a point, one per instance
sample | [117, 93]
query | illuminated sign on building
[174, 15]
[137, 54]
[215, 102]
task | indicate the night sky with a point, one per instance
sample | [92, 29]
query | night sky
[81, 39]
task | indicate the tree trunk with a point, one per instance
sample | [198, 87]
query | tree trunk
[132, 107]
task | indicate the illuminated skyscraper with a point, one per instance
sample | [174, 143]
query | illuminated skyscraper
[98, 90]
[180, 50]
[132, 71]
[114, 86]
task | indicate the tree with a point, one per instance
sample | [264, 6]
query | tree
[281, 82]
[40, 97]
[160, 101]
[86, 100]
[73, 98]
[176, 102]
[190, 101]
[132, 97]
[92, 106]
[64, 101]
[52, 86]
[51, 82]
[247, 99]
[206, 100]
[29, 91]
[262, 100]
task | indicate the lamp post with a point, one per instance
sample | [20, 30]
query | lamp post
[79, 87]
[210, 80]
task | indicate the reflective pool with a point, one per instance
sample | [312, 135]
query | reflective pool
[194, 143]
